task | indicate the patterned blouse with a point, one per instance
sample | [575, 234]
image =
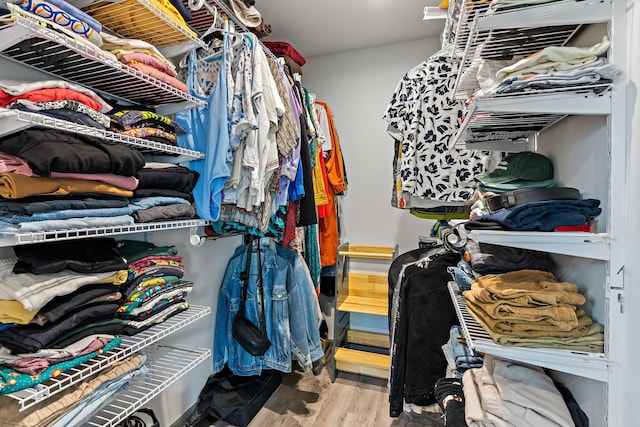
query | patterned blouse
[422, 118]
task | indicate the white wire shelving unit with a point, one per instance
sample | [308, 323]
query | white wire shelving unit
[12, 121]
[166, 365]
[513, 122]
[519, 32]
[588, 365]
[13, 239]
[32, 41]
[130, 345]
[152, 24]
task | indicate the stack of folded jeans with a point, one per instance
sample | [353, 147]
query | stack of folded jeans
[463, 357]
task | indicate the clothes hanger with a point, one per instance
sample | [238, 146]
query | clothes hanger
[218, 52]
[210, 34]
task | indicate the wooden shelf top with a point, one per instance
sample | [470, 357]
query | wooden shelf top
[363, 357]
[365, 305]
[371, 252]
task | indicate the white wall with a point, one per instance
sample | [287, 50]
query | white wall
[358, 86]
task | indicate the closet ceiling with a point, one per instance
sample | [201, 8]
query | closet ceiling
[320, 27]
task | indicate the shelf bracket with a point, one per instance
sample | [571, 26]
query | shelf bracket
[195, 239]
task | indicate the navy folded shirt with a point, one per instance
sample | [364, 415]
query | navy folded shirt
[540, 216]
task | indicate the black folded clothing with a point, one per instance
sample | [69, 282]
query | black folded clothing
[97, 255]
[49, 151]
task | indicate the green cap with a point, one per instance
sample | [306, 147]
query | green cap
[526, 166]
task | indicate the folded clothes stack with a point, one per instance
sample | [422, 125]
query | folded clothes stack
[145, 124]
[520, 194]
[144, 57]
[290, 55]
[530, 308]
[58, 99]
[500, 393]
[553, 67]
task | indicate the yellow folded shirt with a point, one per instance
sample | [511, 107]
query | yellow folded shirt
[117, 278]
[15, 186]
[12, 311]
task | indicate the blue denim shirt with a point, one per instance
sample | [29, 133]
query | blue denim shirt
[289, 313]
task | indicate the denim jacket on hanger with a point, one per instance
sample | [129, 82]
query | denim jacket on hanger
[291, 330]
[305, 332]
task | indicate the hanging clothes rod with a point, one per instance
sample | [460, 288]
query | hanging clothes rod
[239, 27]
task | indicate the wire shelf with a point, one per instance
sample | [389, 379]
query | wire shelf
[467, 15]
[152, 24]
[130, 345]
[20, 118]
[28, 42]
[12, 239]
[562, 12]
[579, 244]
[203, 18]
[520, 32]
[589, 365]
[516, 117]
[505, 44]
[166, 365]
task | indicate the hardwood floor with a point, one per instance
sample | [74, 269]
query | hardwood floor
[304, 400]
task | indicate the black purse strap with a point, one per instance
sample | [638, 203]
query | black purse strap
[244, 277]
[259, 291]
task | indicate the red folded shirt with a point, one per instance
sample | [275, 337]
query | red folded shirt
[50, 94]
[286, 49]
[585, 227]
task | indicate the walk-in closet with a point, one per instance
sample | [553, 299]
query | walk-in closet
[337, 213]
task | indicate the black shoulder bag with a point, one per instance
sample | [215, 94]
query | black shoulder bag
[252, 338]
